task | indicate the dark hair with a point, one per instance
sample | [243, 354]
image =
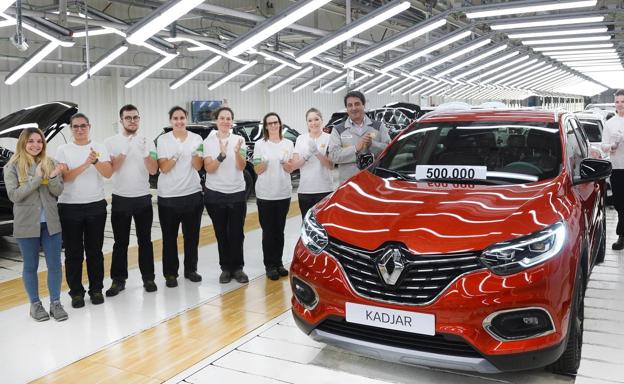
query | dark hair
[216, 113]
[127, 108]
[357, 94]
[314, 110]
[78, 116]
[177, 108]
[265, 129]
[619, 92]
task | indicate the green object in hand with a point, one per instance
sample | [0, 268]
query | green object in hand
[200, 148]
[257, 160]
[153, 155]
[243, 152]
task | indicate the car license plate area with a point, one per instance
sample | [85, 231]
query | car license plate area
[406, 321]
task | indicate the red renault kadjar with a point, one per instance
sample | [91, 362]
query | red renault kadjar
[467, 245]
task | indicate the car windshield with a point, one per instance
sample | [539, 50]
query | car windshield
[593, 130]
[476, 152]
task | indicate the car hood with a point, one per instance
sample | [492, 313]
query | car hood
[430, 218]
[51, 118]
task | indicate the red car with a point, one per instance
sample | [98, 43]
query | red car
[467, 245]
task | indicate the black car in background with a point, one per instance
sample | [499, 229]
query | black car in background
[51, 118]
[251, 131]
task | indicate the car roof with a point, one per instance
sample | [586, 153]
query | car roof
[528, 115]
[589, 115]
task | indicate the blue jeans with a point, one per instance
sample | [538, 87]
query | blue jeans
[29, 247]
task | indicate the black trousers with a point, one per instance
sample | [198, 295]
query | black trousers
[83, 233]
[617, 187]
[308, 200]
[123, 210]
[172, 211]
[228, 221]
[272, 216]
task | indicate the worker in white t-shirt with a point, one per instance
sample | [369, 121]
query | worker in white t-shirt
[225, 157]
[82, 209]
[134, 159]
[180, 156]
[310, 157]
[273, 165]
[613, 143]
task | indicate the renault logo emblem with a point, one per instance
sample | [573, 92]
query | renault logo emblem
[391, 265]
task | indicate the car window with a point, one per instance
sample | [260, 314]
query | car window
[254, 132]
[510, 152]
[593, 130]
[290, 134]
[574, 150]
[580, 137]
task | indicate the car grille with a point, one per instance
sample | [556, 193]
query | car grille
[441, 344]
[422, 280]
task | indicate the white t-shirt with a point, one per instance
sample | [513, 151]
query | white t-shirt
[614, 126]
[182, 179]
[315, 178]
[227, 178]
[132, 178]
[274, 183]
[88, 187]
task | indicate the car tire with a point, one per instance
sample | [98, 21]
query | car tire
[249, 184]
[569, 362]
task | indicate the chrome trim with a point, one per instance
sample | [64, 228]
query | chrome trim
[316, 295]
[405, 356]
[487, 322]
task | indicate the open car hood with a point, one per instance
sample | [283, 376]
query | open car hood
[51, 118]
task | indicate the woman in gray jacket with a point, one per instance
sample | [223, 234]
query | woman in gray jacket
[33, 185]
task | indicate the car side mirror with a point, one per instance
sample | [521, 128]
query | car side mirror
[364, 160]
[593, 169]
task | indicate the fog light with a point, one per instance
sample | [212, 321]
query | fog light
[519, 324]
[304, 293]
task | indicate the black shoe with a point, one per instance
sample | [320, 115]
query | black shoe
[171, 281]
[150, 286]
[282, 271]
[96, 298]
[116, 287]
[240, 276]
[272, 274]
[619, 244]
[193, 276]
[225, 277]
[77, 301]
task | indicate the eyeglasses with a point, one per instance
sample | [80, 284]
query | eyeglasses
[132, 118]
[272, 123]
[81, 127]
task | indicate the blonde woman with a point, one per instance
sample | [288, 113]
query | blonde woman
[310, 157]
[33, 185]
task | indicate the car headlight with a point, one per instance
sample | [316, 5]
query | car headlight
[524, 252]
[313, 235]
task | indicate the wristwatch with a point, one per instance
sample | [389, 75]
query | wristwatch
[95, 161]
[221, 157]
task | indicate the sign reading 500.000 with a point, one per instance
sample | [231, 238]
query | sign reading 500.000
[451, 172]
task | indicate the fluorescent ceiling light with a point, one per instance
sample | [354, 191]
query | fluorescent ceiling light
[486, 65]
[371, 81]
[473, 60]
[547, 23]
[331, 82]
[271, 26]
[363, 72]
[511, 8]
[262, 77]
[194, 72]
[579, 52]
[161, 17]
[99, 32]
[394, 85]
[279, 59]
[379, 85]
[598, 68]
[31, 62]
[404, 87]
[325, 66]
[199, 46]
[11, 21]
[571, 47]
[312, 80]
[356, 27]
[586, 57]
[339, 88]
[563, 32]
[399, 39]
[516, 66]
[516, 73]
[425, 83]
[231, 75]
[451, 55]
[422, 51]
[101, 63]
[149, 70]
[291, 77]
[5, 4]
[533, 76]
[429, 87]
[567, 40]
[590, 62]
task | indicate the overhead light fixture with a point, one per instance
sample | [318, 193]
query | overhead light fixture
[262, 77]
[339, 88]
[429, 87]
[101, 63]
[516, 72]
[517, 7]
[231, 75]
[396, 84]
[358, 26]
[31, 62]
[290, 78]
[486, 65]
[597, 56]
[404, 87]
[572, 47]
[528, 78]
[544, 80]
[398, 39]
[515, 67]
[278, 58]
[451, 55]
[425, 83]
[383, 83]
[194, 72]
[99, 32]
[9, 20]
[598, 68]
[567, 40]
[199, 46]
[5, 4]
[273, 25]
[473, 60]
[311, 81]
[546, 22]
[363, 72]
[371, 81]
[590, 62]
[579, 52]
[561, 32]
[330, 83]
[325, 66]
[161, 17]
[422, 51]
[149, 70]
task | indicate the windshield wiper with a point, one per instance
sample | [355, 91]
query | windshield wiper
[392, 172]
